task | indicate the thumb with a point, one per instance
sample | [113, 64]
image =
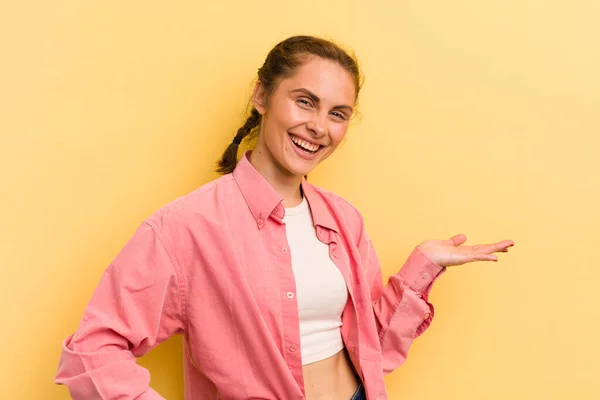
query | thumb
[457, 240]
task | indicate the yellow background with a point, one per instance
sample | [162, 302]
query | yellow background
[479, 117]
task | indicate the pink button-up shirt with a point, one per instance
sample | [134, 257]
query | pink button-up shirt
[215, 266]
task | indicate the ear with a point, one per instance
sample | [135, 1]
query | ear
[259, 98]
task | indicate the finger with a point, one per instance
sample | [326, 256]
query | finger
[494, 247]
[505, 244]
[484, 248]
[457, 240]
[485, 257]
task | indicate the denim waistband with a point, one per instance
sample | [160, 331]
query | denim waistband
[359, 394]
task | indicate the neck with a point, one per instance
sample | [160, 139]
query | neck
[284, 183]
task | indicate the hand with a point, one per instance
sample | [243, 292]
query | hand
[449, 252]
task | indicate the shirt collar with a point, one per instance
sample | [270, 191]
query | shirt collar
[263, 201]
[319, 209]
[260, 196]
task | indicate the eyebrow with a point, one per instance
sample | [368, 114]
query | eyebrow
[316, 99]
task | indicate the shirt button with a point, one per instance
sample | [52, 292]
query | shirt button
[290, 295]
[426, 316]
[426, 276]
[284, 250]
[292, 348]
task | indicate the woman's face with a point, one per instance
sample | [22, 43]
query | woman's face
[306, 117]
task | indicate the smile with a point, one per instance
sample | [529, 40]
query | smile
[304, 145]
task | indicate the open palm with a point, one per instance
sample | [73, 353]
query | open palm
[451, 252]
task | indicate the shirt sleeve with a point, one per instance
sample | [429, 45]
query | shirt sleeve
[136, 306]
[401, 308]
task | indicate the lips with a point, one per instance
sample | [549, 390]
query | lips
[305, 144]
[301, 152]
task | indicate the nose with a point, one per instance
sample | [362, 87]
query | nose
[318, 125]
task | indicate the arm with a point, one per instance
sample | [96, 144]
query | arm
[137, 305]
[401, 309]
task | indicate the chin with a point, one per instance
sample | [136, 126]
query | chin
[299, 168]
[300, 172]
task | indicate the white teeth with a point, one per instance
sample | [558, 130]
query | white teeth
[304, 144]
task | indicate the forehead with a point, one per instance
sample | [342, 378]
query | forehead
[327, 79]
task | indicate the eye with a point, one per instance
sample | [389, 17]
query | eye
[339, 115]
[305, 102]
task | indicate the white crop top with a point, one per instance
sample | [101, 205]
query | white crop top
[320, 288]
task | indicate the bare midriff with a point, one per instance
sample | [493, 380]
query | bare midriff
[330, 379]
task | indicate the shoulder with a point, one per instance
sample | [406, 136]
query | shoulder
[204, 203]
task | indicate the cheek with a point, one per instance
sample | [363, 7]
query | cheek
[289, 115]
[338, 133]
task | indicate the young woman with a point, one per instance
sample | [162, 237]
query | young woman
[273, 282]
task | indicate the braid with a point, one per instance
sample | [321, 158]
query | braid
[251, 123]
[228, 161]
